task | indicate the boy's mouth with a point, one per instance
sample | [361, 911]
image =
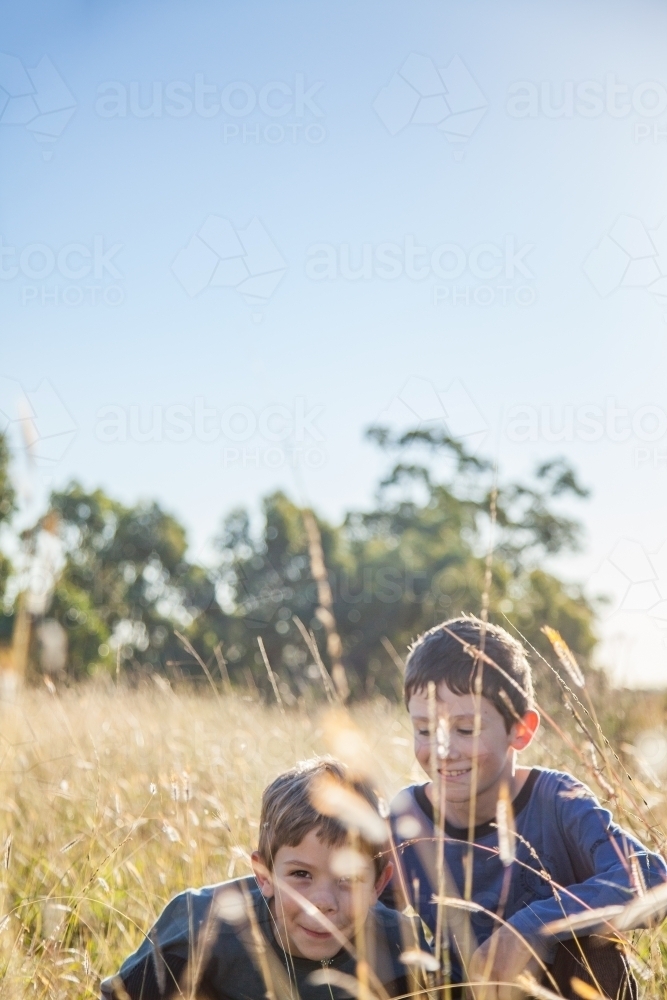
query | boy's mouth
[316, 935]
[451, 773]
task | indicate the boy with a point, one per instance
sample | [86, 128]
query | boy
[569, 854]
[311, 901]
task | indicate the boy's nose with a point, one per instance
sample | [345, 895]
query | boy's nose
[325, 898]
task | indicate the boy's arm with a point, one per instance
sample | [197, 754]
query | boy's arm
[168, 955]
[603, 853]
[141, 982]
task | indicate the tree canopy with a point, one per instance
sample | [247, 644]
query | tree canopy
[7, 509]
[126, 582]
[417, 557]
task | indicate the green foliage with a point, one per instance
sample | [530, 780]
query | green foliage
[5, 573]
[125, 583]
[262, 582]
[88, 633]
[415, 559]
[7, 509]
[7, 494]
[544, 600]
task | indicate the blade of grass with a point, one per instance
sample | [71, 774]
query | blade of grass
[272, 676]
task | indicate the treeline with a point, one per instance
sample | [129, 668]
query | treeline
[126, 586]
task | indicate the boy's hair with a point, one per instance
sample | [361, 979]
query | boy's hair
[288, 814]
[444, 653]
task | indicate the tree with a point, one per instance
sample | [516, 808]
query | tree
[417, 558]
[125, 584]
[262, 583]
[433, 535]
[7, 510]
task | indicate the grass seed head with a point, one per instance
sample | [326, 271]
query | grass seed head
[565, 656]
[346, 742]
[652, 905]
[505, 824]
[442, 739]
[421, 959]
[585, 990]
[348, 863]
[230, 906]
[332, 798]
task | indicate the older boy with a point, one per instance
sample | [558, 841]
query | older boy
[570, 855]
[303, 912]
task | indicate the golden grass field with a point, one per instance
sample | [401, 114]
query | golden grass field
[114, 799]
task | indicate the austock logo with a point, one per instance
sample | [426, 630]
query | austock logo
[497, 268]
[588, 422]
[593, 99]
[72, 274]
[255, 114]
[277, 436]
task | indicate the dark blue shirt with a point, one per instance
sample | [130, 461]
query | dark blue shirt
[206, 944]
[570, 856]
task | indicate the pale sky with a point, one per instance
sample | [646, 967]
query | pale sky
[235, 234]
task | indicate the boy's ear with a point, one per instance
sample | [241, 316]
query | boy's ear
[523, 730]
[263, 875]
[384, 880]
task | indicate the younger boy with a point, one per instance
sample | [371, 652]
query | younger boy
[569, 854]
[305, 909]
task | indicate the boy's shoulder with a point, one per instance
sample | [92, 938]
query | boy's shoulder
[203, 895]
[224, 903]
[218, 910]
[391, 922]
[411, 814]
[407, 799]
[548, 782]
[411, 810]
[553, 790]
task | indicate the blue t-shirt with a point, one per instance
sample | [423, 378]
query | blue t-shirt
[570, 856]
[205, 943]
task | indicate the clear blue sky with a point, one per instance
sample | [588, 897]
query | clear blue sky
[520, 266]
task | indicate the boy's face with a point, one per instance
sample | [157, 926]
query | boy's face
[494, 749]
[344, 902]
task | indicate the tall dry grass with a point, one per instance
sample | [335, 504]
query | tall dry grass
[112, 800]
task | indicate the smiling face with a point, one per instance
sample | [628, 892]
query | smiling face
[494, 750]
[316, 890]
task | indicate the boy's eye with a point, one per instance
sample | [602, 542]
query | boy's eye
[461, 730]
[300, 873]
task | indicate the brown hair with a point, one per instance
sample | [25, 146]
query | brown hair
[288, 814]
[444, 653]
